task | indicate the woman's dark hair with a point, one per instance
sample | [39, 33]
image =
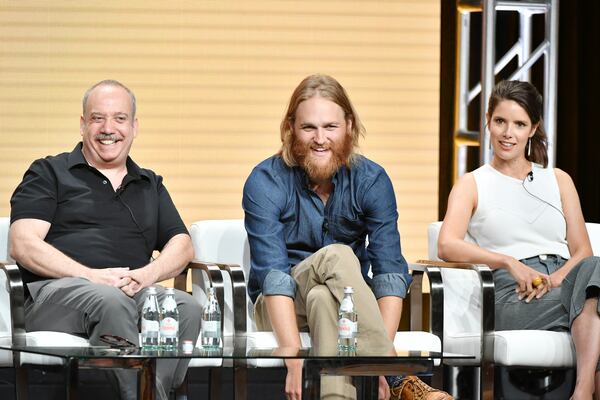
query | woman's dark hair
[527, 96]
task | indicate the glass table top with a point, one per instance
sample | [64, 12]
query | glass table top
[232, 349]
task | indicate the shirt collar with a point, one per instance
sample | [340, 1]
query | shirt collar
[76, 158]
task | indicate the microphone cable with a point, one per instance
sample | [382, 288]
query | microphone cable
[529, 178]
[141, 231]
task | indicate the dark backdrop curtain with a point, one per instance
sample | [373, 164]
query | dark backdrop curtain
[578, 98]
[578, 118]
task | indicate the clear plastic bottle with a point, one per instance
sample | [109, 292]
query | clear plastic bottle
[347, 323]
[150, 321]
[211, 322]
[169, 321]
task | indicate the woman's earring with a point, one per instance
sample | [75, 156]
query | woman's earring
[529, 147]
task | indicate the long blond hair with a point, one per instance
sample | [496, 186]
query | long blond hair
[327, 87]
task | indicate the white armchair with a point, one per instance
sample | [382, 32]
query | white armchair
[12, 321]
[225, 244]
[465, 292]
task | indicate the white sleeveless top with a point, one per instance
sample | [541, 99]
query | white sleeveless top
[510, 221]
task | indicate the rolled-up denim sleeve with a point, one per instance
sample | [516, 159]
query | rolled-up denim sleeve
[264, 198]
[390, 270]
[278, 283]
[391, 284]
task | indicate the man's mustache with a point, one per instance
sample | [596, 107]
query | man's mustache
[106, 136]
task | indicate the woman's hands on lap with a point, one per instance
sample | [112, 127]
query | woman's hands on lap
[524, 276]
[557, 277]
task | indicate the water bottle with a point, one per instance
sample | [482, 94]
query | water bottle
[169, 321]
[347, 323]
[150, 321]
[211, 322]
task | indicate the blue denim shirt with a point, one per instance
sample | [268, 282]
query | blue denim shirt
[287, 222]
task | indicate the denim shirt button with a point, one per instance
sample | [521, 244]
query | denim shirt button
[325, 226]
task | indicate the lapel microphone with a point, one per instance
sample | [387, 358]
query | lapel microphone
[530, 176]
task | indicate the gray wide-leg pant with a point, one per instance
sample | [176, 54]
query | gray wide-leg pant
[80, 307]
[320, 281]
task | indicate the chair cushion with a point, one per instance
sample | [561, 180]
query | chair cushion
[6, 359]
[433, 231]
[463, 343]
[417, 340]
[41, 339]
[531, 348]
[55, 339]
[423, 341]
[50, 339]
[204, 362]
[266, 340]
[534, 348]
[59, 339]
[593, 231]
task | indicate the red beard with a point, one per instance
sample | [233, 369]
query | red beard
[316, 171]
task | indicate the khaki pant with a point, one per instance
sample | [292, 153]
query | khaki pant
[320, 280]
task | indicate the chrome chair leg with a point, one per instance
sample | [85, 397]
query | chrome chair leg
[21, 383]
[72, 378]
[214, 383]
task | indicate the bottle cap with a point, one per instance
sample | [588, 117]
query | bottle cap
[151, 290]
[187, 346]
[170, 290]
[348, 289]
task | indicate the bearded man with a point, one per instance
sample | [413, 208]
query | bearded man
[308, 213]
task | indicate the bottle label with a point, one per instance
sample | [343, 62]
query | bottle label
[169, 327]
[346, 328]
[149, 326]
[211, 328]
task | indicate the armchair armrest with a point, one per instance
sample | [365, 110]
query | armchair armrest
[434, 271]
[14, 286]
[487, 286]
[213, 272]
[436, 290]
[442, 264]
[239, 304]
[415, 293]
[238, 286]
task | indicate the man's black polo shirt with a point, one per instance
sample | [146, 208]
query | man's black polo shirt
[90, 222]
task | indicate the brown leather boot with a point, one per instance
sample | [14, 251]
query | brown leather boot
[412, 388]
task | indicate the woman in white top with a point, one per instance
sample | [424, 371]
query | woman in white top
[526, 223]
